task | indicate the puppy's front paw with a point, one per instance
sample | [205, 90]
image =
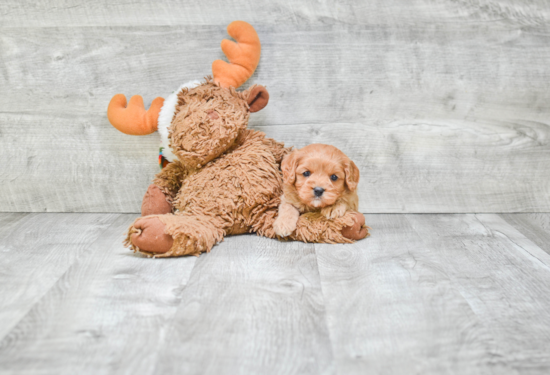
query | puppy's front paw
[334, 212]
[283, 228]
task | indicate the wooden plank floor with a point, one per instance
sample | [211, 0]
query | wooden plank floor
[426, 294]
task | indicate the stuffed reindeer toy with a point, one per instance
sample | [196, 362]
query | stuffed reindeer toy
[219, 178]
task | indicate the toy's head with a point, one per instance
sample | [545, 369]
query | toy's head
[204, 120]
[208, 119]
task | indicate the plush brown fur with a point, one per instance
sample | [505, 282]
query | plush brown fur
[207, 121]
[321, 168]
[227, 179]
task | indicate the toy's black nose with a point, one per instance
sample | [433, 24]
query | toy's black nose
[318, 191]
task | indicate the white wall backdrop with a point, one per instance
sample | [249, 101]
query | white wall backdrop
[444, 105]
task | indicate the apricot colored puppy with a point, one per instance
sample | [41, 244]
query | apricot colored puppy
[316, 178]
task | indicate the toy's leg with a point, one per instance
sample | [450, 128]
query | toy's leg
[314, 227]
[174, 235]
[147, 235]
[358, 230]
[155, 202]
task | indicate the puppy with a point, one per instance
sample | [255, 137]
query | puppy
[316, 178]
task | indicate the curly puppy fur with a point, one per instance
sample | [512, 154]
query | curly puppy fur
[317, 178]
[227, 179]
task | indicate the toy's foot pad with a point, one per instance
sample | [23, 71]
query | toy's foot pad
[358, 230]
[154, 202]
[149, 236]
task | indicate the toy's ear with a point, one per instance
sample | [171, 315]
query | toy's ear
[352, 175]
[257, 98]
[288, 166]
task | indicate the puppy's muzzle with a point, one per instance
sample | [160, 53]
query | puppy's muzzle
[318, 191]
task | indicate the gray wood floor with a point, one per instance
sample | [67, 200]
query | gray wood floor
[426, 294]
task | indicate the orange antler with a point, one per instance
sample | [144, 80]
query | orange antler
[134, 119]
[243, 56]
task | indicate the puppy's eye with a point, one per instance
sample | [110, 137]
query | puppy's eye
[306, 173]
[333, 177]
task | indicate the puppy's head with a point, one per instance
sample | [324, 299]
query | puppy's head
[320, 174]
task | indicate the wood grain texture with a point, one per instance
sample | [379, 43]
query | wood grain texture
[252, 306]
[504, 277]
[442, 104]
[36, 251]
[105, 312]
[536, 227]
[429, 294]
[393, 309]
[448, 166]
[45, 13]
[9, 222]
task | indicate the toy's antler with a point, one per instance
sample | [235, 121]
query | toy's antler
[243, 56]
[134, 119]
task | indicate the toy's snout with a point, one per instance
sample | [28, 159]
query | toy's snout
[213, 114]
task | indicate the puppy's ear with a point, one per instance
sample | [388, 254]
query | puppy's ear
[352, 175]
[288, 166]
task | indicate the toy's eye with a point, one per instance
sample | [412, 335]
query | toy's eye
[306, 173]
[333, 177]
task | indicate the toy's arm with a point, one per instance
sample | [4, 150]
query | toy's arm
[161, 193]
[278, 149]
[170, 178]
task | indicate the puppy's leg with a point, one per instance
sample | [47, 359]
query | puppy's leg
[174, 235]
[314, 227]
[335, 211]
[286, 221]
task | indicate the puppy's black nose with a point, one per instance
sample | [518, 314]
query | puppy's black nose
[318, 191]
